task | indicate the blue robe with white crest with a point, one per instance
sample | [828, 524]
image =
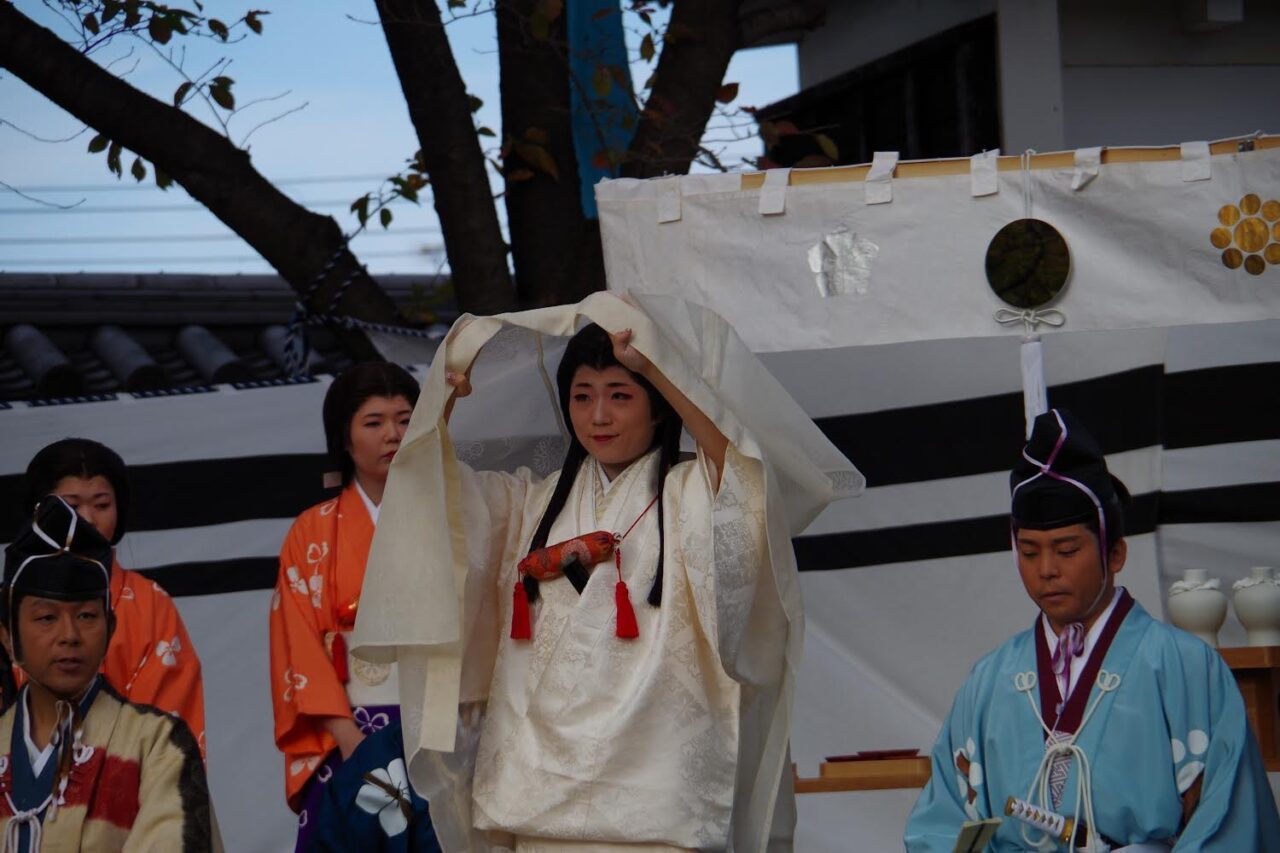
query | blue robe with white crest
[1174, 715]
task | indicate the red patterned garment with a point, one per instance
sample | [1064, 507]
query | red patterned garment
[136, 782]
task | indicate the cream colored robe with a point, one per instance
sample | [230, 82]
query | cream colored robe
[592, 737]
[702, 697]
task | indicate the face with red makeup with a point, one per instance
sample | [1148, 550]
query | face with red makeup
[611, 416]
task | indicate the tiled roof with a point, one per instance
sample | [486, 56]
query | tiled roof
[64, 335]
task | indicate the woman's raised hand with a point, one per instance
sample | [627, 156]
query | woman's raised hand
[459, 382]
[627, 355]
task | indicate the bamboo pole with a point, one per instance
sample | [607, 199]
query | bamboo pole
[1008, 163]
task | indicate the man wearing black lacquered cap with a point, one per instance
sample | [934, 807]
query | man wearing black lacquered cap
[1099, 728]
[81, 768]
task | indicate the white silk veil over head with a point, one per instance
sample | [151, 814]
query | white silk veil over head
[418, 609]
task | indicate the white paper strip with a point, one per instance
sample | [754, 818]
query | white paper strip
[1195, 161]
[1087, 160]
[983, 175]
[773, 195]
[1035, 397]
[879, 184]
[669, 200]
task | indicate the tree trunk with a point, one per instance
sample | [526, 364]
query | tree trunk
[556, 249]
[295, 241]
[701, 38]
[441, 115]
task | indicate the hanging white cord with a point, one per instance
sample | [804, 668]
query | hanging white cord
[30, 818]
[1025, 161]
[1025, 682]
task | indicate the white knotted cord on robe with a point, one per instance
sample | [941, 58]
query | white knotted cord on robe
[29, 818]
[1025, 683]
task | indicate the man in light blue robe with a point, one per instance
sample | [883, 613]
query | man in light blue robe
[1151, 749]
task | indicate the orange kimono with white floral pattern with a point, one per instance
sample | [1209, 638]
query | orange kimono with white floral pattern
[321, 571]
[150, 660]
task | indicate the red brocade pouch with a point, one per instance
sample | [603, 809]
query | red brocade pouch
[549, 562]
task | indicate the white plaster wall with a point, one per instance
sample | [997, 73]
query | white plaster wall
[861, 31]
[1134, 75]
[1166, 105]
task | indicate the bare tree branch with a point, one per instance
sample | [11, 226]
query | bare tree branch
[302, 246]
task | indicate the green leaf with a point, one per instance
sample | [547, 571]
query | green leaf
[727, 93]
[91, 23]
[98, 143]
[138, 170]
[131, 14]
[360, 207]
[110, 8]
[828, 146]
[219, 29]
[536, 135]
[220, 91]
[474, 102]
[484, 131]
[647, 49]
[408, 193]
[385, 217]
[251, 20]
[457, 4]
[160, 29]
[518, 175]
[538, 157]
[180, 94]
[602, 81]
[113, 158]
[163, 181]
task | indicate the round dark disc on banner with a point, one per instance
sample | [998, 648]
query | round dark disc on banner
[1028, 263]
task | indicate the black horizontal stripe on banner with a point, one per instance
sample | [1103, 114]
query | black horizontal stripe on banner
[202, 492]
[933, 541]
[984, 434]
[914, 444]
[1222, 504]
[1221, 405]
[854, 549]
[212, 578]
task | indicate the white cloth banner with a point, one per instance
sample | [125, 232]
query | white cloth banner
[1139, 237]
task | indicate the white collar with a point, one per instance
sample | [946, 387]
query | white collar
[1090, 637]
[1069, 679]
[38, 757]
[368, 504]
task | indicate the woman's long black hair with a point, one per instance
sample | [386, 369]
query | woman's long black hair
[592, 347]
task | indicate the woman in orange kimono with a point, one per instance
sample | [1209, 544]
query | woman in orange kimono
[151, 660]
[325, 702]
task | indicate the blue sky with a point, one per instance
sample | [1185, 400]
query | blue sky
[354, 125]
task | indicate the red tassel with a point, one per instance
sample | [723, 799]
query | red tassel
[627, 627]
[339, 653]
[520, 629]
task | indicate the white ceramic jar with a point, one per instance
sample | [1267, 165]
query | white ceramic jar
[1197, 606]
[1257, 602]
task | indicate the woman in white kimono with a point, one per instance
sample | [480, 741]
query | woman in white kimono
[628, 625]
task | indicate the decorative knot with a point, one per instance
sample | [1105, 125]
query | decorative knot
[1030, 318]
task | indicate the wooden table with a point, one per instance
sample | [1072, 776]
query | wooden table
[834, 776]
[1257, 672]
